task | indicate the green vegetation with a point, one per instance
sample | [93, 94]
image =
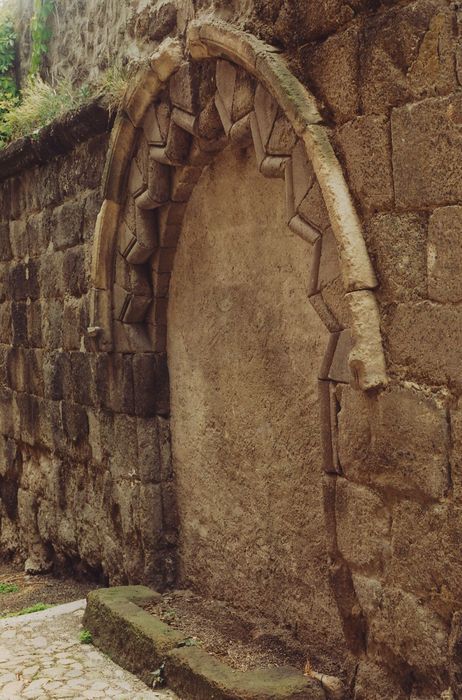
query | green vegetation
[40, 32]
[8, 90]
[8, 588]
[39, 103]
[85, 637]
[38, 607]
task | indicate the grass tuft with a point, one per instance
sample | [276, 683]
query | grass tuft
[85, 637]
[41, 103]
[38, 607]
[8, 588]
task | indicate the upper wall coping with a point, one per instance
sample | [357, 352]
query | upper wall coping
[57, 138]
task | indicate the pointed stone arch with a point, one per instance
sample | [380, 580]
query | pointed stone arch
[168, 129]
[290, 141]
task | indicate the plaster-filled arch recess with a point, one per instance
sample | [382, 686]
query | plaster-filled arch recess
[168, 129]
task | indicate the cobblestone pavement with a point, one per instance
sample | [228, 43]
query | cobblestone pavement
[41, 657]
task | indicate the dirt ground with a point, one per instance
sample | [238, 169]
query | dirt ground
[241, 643]
[37, 589]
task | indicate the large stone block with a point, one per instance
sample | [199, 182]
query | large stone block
[66, 225]
[5, 247]
[407, 53]
[412, 632]
[444, 255]
[414, 334]
[363, 525]
[397, 440]
[75, 271]
[426, 138]
[149, 453]
[332, 67]
[19, 239]
[114, 382]
[124, 454]
[375, 681]
[424, 559]
[397, 244]
[51, 275]
[365, 149]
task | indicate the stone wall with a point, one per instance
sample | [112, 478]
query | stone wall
[84, 444]
[387, 79]
[390, 84]
[244, 353]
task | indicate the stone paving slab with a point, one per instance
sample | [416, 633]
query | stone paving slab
[41, 658]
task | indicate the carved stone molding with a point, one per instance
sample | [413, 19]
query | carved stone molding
[165, 133]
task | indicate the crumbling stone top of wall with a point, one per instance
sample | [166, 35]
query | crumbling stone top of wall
[59, 137]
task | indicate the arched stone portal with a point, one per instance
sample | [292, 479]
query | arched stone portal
[244, 350]
[178, 114]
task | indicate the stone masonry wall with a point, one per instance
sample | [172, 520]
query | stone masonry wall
[391, 87]
[83, 442]
[77, 474]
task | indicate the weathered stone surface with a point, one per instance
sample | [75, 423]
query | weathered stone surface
[415, 460]
[412, 632]
[422, 561]
[425, 137]
[397, 244]
[407, 53]
[333, 68]
[373, 681]
[363, 525]
[225, 294]
[415, 330]
[365, 149]
[444, 251]
[66, 225]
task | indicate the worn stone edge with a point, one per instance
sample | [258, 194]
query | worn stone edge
[139, 642]
[57, 138]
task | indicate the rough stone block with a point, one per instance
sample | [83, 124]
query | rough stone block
[19, 319]
[52, 324]
[19, 239]
[397, 441]
[422, 561]
[332, 67]
[397, 243]
[114, 382]
[407, 53]
[6, 323]
[124, 451]
[51, 275]
[411, 631]
[363, 525]
[373, 680]
[75, 422]
[75, 271]
[144, 381]
[5, 247]
[444, 254]
[426, 138]
[414, 332]
[34, 323]
[365, 149]
[149, 460]
[67, 224]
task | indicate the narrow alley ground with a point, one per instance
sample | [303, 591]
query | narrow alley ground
[42, 658]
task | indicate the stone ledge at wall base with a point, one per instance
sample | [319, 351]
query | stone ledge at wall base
[139, 642]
